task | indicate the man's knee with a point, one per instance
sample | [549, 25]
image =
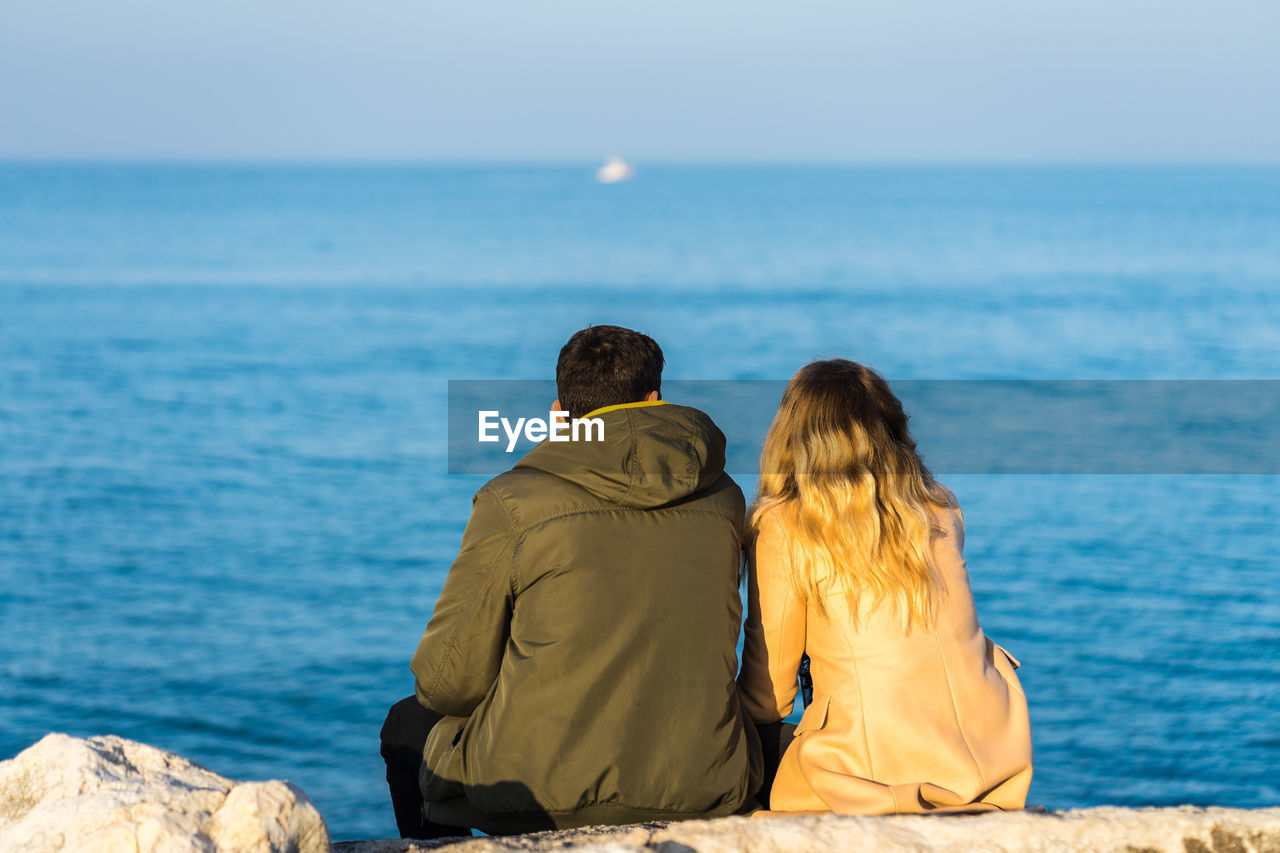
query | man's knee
[405, 730]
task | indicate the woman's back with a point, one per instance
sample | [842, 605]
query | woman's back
[901, 721]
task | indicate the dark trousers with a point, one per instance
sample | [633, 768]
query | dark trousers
[404, 734]
[774, 740]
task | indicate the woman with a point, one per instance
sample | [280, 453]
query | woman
[856, 561]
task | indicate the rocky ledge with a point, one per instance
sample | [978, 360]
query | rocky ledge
[111, 794]
[1176, 830]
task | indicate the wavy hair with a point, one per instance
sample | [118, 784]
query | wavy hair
[840, 475]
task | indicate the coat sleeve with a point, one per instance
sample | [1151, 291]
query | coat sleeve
[458, 659]
[774, 635]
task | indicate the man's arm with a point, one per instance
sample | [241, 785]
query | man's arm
[774, 633]
[461, 651]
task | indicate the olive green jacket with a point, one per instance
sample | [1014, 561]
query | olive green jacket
[584, 646]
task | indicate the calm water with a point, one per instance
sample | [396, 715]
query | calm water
[224, 512]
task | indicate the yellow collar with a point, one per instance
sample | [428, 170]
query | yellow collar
[639, 405]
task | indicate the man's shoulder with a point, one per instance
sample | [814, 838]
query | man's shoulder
[530, 496]
[724, 494]
[516, 485]
[520, 477]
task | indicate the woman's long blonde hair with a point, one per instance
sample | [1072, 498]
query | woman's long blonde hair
[840, 475]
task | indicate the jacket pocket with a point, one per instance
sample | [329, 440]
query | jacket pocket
[815, 716]
[1010, 666]
[1014, 662]
[440, 774]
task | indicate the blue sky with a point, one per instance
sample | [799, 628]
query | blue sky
[802, 81]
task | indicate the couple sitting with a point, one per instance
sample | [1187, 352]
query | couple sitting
[581, 665]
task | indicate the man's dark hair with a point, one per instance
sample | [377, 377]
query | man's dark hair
[607, 365]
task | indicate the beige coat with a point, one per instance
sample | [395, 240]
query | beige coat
[934, 719]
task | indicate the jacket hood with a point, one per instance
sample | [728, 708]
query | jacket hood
[651, 455]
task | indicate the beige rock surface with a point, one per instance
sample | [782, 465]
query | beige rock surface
[1176, 830]
[110, 794]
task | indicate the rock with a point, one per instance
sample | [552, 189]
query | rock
[1176, 830]
[111, 794]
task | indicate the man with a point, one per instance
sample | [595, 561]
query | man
[579, 667]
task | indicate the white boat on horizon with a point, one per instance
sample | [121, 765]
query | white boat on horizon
[615, 169]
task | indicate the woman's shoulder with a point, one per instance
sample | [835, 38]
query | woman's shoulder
[768, 545]
[768, 523]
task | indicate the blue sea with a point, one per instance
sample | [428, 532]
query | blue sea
[225, 511]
